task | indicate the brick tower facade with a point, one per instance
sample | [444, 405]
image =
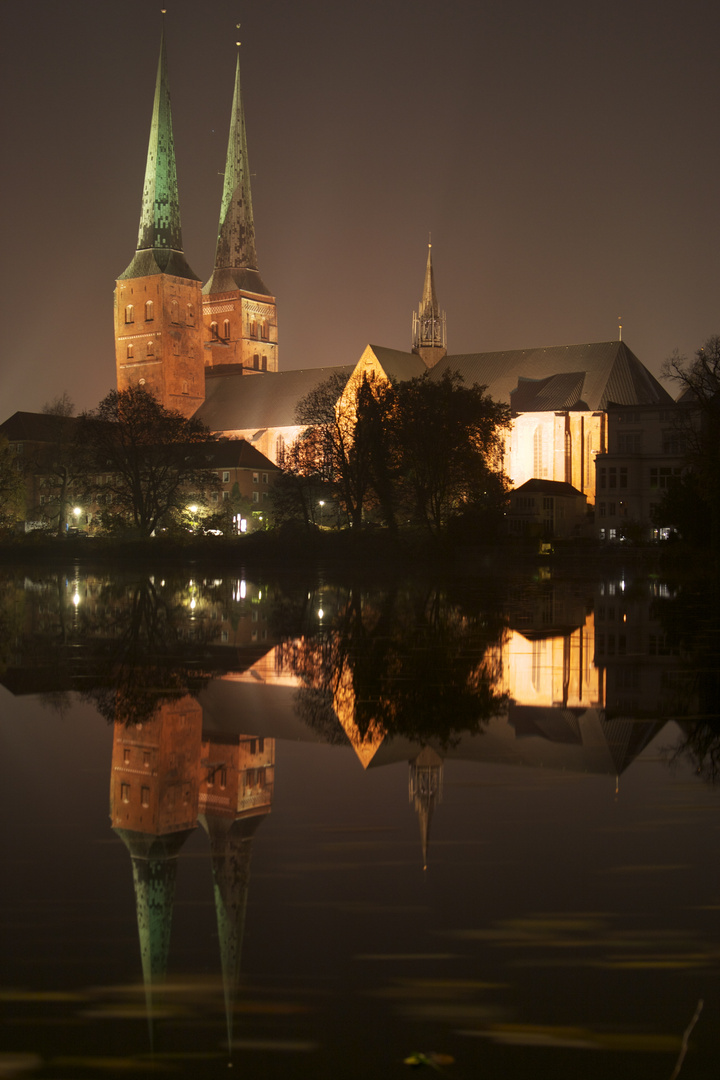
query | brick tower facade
[239, 312]
[158, 302]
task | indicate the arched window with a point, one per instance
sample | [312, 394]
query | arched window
[226, 329]
[129, 314]
[280, 450]
[184, 387]
[175, 311]
[256, 362]
[130, 350]
[214, 330]
[190, 315]
[150, 348]
[149, 311]
[253, 328]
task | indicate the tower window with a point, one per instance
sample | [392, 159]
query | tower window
[149, 311]
[264, 331]
[150, 348]
[130, 351]
[175, 311]
[253, 328]
[190, 315]
[226, 329]
[256, 362]
[129, 314]
[214, 330]
[185, 386]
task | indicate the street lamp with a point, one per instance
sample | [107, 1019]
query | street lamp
[321, 504]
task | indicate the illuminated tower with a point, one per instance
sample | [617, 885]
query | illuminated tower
[429, 332]
[158, 329]
[239, 312]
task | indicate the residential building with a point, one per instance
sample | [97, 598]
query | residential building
[549, 509]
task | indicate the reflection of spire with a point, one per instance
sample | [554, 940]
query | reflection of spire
[154, 863]
[235, 796]
[426, 782]
[231, 850]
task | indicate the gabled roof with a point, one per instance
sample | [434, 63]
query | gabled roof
[536, 486]
[555, 392]
[237, 402]
[235, 454]
[611, 373]
[398, 366]
[38, 427]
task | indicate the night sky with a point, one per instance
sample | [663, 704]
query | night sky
[564, 156]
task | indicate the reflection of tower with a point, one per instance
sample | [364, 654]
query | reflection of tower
[426, 784]
[153, 809]
[429, 337]
[158, 338]
[235, 796]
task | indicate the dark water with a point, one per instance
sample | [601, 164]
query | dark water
[308, 829]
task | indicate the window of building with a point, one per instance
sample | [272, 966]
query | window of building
[125, 793]
[611, 509]
[252, 329]
[149, 311]
[547, 500]
[265, 495]
[672, 443]
[612, 477]
[214, 330]
[190, 315]
[623, 476]
[601, 509]
[145, 796]
[150, 350]
[129, 314]
[256, 477]
[603, 477]
[146, 759]
[176, 347]
[630, 442]
[264, 330]
[215, 496]
[226, 476]
[226, 329]
[265, 478]
[175, 311]
[256, 361]
[256, 496]
[612, 534]
[226, 496]
[126, 755]
[185, 386]
[130, 351]
[264, 363]
[280, 449]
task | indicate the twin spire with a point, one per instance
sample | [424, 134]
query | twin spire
[159, 246]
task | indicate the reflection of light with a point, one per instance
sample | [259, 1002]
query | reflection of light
[193, 509]
[259, 594]
[77, 511]
[622, 586]
[243, 525]
[162, 584]
[320, 613]
[192, 604]
[243, 590]
[76, 598]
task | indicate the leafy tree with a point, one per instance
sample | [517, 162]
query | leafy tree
[699, 430]
[446, 443]
[152, 459]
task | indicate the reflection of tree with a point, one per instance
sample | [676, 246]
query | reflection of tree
[400, 662]
[146, 646]
[691, 622]
[699, 743]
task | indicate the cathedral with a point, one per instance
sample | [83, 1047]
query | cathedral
[195, 345]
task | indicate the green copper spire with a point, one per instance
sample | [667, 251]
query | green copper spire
[159, 246]
[236, 264]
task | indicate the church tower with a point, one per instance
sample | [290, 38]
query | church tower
[239, 312]
[428, 331]
[158, 302]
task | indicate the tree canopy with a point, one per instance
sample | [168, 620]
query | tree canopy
[150, 460]
[419, 451]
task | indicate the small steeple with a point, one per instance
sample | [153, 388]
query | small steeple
[159, 246]
[429, 331]
[236, 264]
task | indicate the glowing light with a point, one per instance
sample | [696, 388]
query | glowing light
[320, 613]
[76, 598]
[193, 509]
[192, 604]
[77, 511]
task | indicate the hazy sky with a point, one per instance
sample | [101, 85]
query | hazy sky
[563, 154]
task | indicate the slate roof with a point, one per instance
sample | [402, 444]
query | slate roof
[38, 427]
[237, 402]
[536, 486]
[236, 454]
[399, 366]
[611, 373]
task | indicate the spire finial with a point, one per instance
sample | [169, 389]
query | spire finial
[237, 27]
[619, 327]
